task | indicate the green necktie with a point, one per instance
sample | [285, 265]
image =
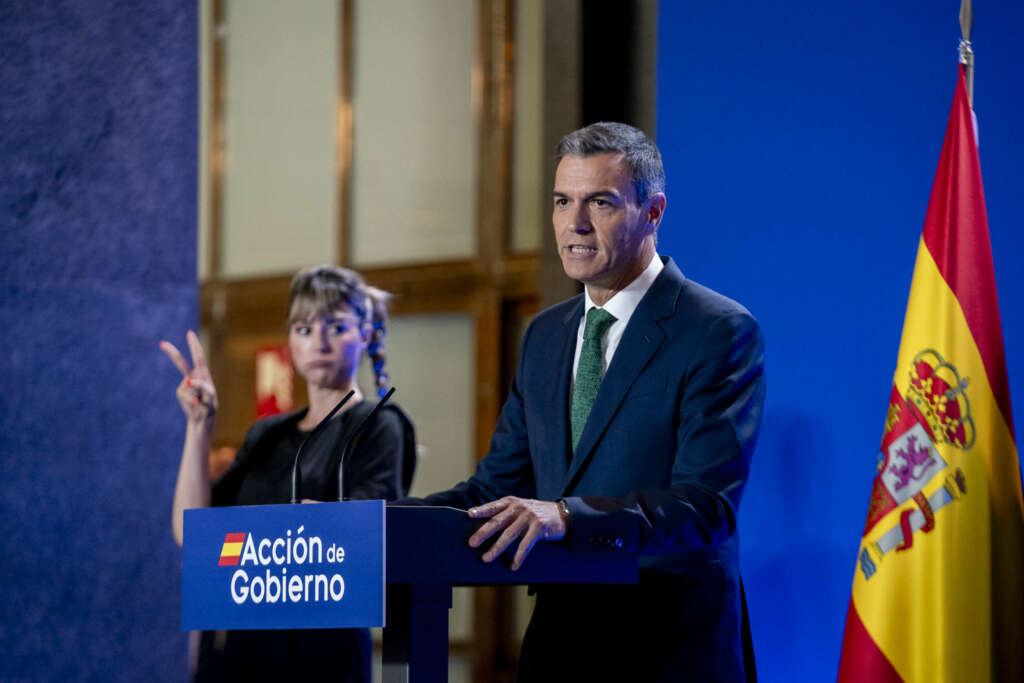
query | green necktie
[588, 372]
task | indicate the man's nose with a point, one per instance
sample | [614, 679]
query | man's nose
[580, 222]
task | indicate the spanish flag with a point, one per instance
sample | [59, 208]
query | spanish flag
[937, 588]
[231, 550]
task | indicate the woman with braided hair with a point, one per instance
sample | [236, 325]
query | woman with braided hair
[333, 319]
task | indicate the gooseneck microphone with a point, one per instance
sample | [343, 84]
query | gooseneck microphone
[296, 472]
[352, 440]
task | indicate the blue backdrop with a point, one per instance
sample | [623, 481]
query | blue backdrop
[97, 262]
[800, 140]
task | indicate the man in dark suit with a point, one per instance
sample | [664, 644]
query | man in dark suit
[629, 427]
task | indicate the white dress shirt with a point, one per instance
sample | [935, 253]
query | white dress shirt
[621, 305]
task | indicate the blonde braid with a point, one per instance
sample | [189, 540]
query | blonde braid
[377, 316]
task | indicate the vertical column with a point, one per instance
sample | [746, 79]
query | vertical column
[98, 264]
[416, 635]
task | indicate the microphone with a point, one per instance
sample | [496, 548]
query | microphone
[296, 473]
[352, 440]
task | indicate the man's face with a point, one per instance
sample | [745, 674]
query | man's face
[605, 240]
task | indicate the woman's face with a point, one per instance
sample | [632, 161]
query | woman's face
[326, 349]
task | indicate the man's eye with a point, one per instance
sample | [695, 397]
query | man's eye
[600, 203]
[561, 201]
[302, 329]
[338, 328]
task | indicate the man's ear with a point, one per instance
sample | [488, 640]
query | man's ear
[655, 208]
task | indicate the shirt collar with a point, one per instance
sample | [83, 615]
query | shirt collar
[624, 302]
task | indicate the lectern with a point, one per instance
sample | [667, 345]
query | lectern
[427, 554]
[327, 565]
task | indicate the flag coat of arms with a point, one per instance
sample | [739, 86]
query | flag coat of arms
[937, 590]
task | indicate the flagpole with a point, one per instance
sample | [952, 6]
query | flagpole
[966, 53]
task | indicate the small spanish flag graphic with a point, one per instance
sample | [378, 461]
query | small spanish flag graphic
[231, 550]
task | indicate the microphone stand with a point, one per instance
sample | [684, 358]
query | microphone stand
[352, 440]
[296, 472]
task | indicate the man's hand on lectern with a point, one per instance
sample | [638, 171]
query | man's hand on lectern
[532, 520]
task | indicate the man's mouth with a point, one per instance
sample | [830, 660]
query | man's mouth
[579, 249]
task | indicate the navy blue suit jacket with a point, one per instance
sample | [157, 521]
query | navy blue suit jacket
[659, 468]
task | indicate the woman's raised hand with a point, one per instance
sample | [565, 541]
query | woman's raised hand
[196, 393]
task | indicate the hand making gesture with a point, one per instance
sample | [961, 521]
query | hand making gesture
[198, 398]
[196, 393]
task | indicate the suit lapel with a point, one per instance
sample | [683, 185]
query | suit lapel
[641, 340]
[556, 367]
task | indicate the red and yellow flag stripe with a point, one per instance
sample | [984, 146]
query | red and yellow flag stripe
[231, 550]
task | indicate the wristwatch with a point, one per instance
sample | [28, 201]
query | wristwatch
[563, 512]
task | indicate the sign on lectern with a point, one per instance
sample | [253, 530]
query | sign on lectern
[284, 566]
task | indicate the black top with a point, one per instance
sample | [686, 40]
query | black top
[379, 464]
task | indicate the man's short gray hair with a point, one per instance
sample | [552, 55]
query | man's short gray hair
[641, 153]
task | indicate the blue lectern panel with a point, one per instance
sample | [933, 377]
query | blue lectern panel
[428, 545]
[284, 566]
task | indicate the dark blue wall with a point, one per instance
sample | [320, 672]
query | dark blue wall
[98, 212]
[801, 140]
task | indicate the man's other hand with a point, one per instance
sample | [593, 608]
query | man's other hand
[533, 520]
